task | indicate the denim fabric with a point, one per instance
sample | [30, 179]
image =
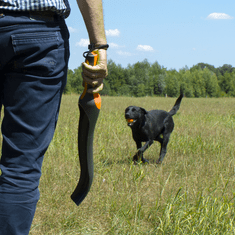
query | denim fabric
[33, 68]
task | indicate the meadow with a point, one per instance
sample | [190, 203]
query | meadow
[191, 192]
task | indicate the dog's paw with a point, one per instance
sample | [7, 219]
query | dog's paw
[135, 158]
[158, 162]
[135, 162]
[145, 160]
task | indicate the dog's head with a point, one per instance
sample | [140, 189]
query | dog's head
[134, 115]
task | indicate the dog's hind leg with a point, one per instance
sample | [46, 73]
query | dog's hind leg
[168, 128]
[159, 139]
[164, 143]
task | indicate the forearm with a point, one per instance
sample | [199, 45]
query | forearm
[92, 12]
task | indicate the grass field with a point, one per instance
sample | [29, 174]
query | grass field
[192, 192]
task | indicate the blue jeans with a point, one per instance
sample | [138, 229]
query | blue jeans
[34, 53]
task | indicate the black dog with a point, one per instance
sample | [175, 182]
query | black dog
[149, 126]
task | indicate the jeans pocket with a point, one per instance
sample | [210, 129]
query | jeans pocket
[36, 53]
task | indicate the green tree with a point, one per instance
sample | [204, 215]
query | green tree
[198, 84]
[211, 83]
[143, 78]
[141, 90]
[201, 66]
[186, 85]
[226, 68]
[227, 83]
[68, 87]
[143, 81]
[115, 78]
[76, 82]
[172, 88]
[157, 75]
[137, 75]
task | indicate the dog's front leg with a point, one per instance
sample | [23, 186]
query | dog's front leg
[136, 156]
[142, 149]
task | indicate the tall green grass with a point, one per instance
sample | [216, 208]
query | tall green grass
[192, 192]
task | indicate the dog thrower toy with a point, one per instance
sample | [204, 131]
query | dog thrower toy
[89, 106]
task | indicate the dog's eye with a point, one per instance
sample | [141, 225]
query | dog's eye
[133, 109]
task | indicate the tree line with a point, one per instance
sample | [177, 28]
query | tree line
[145, 79]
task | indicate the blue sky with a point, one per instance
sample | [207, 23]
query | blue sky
[175, 33]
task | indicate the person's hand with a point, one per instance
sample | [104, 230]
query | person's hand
[94, 75]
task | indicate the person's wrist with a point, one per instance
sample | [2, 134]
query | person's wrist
[94, 46]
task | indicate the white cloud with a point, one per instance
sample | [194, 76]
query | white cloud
[72, 30]
[144, 48]
[115, 45]
[83, 43]
[124, 53]
[112, 32]
[219, 16]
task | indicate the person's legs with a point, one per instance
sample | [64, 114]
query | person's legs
[33, 78]
[16, 218]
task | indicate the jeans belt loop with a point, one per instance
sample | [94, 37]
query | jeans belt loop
[48, 16]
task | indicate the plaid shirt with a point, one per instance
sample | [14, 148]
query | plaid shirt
[61, 7]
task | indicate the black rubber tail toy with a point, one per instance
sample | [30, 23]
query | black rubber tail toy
[89, 106]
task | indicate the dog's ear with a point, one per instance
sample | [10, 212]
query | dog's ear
[143, 111]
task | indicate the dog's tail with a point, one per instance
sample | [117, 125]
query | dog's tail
[176, 106]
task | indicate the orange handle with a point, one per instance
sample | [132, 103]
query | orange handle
[92, 58]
